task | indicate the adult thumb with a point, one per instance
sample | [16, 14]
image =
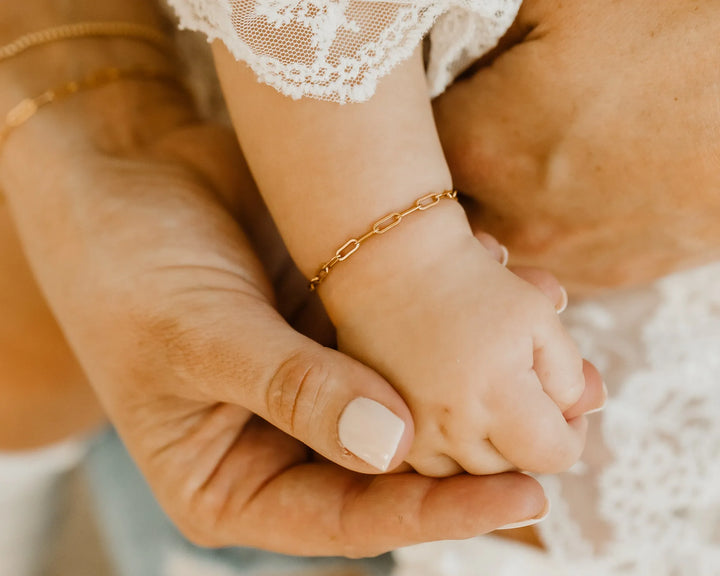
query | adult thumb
[334, 404]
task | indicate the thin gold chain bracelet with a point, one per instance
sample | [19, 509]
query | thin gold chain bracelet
[80, 30]
[383, 225]
[27, 108]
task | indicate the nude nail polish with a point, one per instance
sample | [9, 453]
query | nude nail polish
[371, 432]
[530, 522]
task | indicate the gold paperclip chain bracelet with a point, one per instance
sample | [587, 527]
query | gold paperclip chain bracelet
[380, 227]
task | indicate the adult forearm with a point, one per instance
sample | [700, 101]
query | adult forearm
[40, 68]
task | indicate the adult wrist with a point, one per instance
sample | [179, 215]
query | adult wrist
[21, 17]
[95, 42]
[45, 66]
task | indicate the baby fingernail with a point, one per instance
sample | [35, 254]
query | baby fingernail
[605, 397]
[532, 521]
[505, 255]
[563, 304]
[371, 432]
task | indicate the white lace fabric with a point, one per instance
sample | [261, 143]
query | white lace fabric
[338, 50]
[647, 500]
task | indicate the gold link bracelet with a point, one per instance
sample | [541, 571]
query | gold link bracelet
[380, 227]
[28, 107]
[87, 30]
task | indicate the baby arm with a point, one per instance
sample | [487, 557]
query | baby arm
[479, 355]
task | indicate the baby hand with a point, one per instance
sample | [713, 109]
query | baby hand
[478, 354]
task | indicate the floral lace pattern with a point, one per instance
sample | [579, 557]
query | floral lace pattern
[337, 50]
[654, 471]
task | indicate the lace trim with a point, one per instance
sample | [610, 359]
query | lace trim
[337, 50]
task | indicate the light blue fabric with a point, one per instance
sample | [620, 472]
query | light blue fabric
[141, 539]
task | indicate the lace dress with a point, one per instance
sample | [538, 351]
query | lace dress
[337, 50]
[645, 499]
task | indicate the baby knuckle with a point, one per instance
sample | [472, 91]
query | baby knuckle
[564, 460]
[434, 465]
[562, 457]
[295, 388]
[443, 425]
[574, 386]
[483, 459]
[546, 453]
[568, 393]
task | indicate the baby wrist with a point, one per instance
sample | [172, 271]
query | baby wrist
[380, 227]
[414, 250]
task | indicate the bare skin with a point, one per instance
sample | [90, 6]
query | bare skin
[46, 397]
[182, 341]
[481, 358]
[590, 146]
[491, 89]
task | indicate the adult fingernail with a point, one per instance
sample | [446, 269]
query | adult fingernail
[371, 432]
[505, 255]
[563, 304]
[530, 522]
[602, 407]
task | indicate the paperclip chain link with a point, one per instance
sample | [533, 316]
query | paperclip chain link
[383, 225]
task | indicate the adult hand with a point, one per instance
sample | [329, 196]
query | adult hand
[589, 144]
[129, 229]
[45, 396]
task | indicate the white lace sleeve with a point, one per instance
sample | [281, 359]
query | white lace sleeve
[337, 50]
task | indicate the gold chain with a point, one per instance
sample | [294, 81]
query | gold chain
[28, 107]
[87, 30]
[380, 227]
